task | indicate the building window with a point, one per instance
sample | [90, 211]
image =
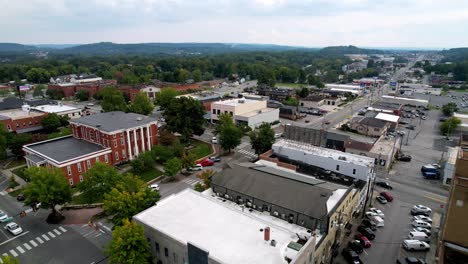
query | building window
[106, 159]
[97, 159]
[156, 244]
[37, 122]
[218, 112]
[97, 137]
[338, 167]
[124, 154]
[69, 170]
[24, 124]
[79, 167]
[9, 127]
[91, 135]
[115, 143]
[122, 142]
[166, 252]
[89, 164]
[354, 171]
[70, 181]
[115, 135]
[121, 134]
[30, 123]
[17, 125]
[231, 113]
[81, 178]
[214, 111]
[82, 131]
[116, 156]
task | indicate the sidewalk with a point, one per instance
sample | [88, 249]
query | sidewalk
[8, 174]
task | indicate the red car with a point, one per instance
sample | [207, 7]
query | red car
[206, 162]
[387, 196]
[363, 239]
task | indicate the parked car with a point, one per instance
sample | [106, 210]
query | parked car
[356, 246]
[370, 214]
[422, 229]
[351, 256]
[421, 210]
[387, 196]
[214, 140]
[215, 159]
[419, 223]
[423, 218]
[3, 216]
[20, 197]
[363, 239]
[381, 199]
[366, 232]
[421, 236]
[423, 117]
[377, 211]
[410, 260]
[14, 228]
[154, 187]
[206, 163]
[383, 184]
[404, 157]
[431, 175]
[430, 168]
[413, 245]
[410, 127]
[369, 223]
[197, 167]
[402, 122]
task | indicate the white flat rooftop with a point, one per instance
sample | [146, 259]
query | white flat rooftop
[256, 112]
[405, 99]
[387, 117]
[230, 234]
[345, 90]
[325, 152]
[462, 116]
[237, 101]
[49, 108]
[18, 114]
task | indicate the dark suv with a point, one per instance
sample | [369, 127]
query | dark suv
[356, 246]
[351, 256]
[366, 231]
[369, 223]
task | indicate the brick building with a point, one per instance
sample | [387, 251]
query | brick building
[70, 89]
[112, 137]
[132, 91]
[22, 120]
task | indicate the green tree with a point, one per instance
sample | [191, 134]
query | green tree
[185, 116]
[9, 260]
[5, 137]
[128, 244]
[142, 104]
[291, 101]
[449, 109]
[82, 95]
[165, 97]
[17, 141]
[172, 167]
[38, 90]
[162, 154]
[183, 75]
[166, 138]
[49, 187]
[130, 196]
[262, 139]
[51, 122]
[55, 94]
[188, 160]
[304, 92]
[267, 76]
[229, 135]
[143, 162]
[112, 100]
[98, 180]
[197, 75]
[38, 75]
[449, 125]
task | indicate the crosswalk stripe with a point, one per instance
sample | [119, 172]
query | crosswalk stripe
[28, 247]
[28, 210]
[33, 243]
[57, 232]
[46, 237]
[39, 240]
[87, 234]
[12, 252]
[20, 249]
[51, 234]
[62, 229]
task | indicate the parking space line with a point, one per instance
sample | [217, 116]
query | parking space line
[97, 235]
[57, 232]
[45, 237]
[33, 243]
[39, 240]
[62, 229]
[27, 246]
[87, 234]
[51, 234]
[13, 253]
[13, 238]
[20, 249]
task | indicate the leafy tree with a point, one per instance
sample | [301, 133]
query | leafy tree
[38, 75]
[199, 187]
[98, 180]
[38, 90]
[142, 104]
[266, 76]
[51, 122]
[262, 139]
[172, 167]
[162, 154]
[304, 92]
[130, 196]
[197, 75]
[49, 187]
[449, 109]
[17, 141]
[165, 97]
[143, 162]
[55, 94]
[188, 160]
[166, 138]
[4, 141]
[82, 95]
[449, 125]
[112, 100]
[185, 116]
[206, 176]
[128, 244]
[291, 101]
[229, 135]
[9, 260]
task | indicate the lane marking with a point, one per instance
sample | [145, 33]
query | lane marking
[62, 229]
[12, 252]
[33, 243]
[27, 246]
[105, 227]
[13, 238]
[435, 199]
[82, 225]
[51, 234]
[39, 240]
[102, 231]
[45, 237]
[57, 232]
[20, 249]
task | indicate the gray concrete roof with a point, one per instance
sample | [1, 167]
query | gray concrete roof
[64, 148]
[112, 121]
[34, 158]
[302, 197]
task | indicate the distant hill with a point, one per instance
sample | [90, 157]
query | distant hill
[456, 54]
[55, 46]
[109, 48]
[341, 50]
[14, 47]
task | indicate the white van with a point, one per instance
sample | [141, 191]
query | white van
[419, 236]
[413, 245]
[378, 221]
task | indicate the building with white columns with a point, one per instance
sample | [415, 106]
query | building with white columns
[111, 137]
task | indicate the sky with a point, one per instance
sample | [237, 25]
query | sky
[309, 23]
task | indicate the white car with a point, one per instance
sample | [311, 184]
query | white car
[422, 229]
[3, 216]
[154, 187]
[419, 223]
[214, 140]
[14, 228]
[370, 214]
[423, 218]
[413, 245]
[377, 211]
[197, 167]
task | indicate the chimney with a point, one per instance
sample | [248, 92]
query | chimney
[266, 234]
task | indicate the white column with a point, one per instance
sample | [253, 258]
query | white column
[129, 145]
[136, 143]
[142, 140]
[148, 136]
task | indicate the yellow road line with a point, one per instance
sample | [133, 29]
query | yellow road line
[435, 199]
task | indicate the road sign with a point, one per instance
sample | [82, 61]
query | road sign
[394, 84]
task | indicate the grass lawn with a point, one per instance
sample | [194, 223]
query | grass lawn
[16, 163]
[20, 172]
[150, 174]
[15, 193]
[201, 150]
[290, 85]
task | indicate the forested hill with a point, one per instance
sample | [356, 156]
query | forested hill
[341, 50]
[15, 47]
[456, 54]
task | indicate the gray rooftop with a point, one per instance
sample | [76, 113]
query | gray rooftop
[64, 148]
[300, 196]
[112, 121]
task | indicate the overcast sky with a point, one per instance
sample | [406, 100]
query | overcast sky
[312, 23]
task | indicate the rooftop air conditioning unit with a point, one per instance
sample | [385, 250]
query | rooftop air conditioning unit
[342, 158]
[275, 213]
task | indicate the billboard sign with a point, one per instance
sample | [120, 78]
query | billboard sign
[24, 88]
